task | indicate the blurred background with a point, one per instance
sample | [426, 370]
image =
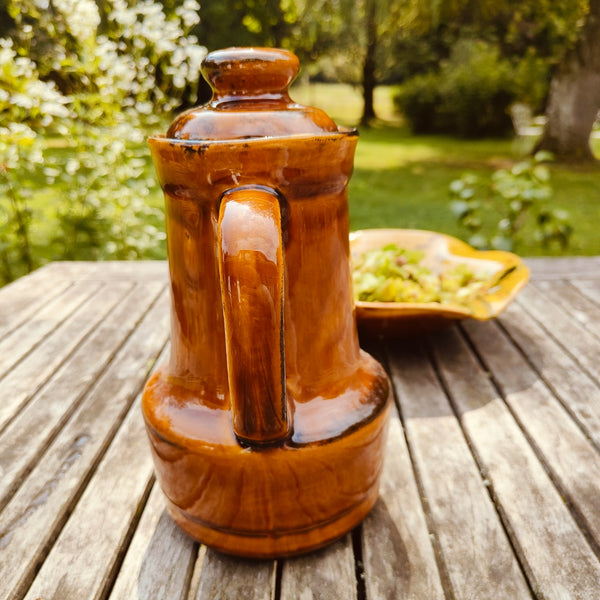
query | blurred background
[476, 118]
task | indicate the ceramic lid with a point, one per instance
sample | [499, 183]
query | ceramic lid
[250, 99]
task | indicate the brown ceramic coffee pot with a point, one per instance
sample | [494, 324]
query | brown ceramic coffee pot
[267, 425]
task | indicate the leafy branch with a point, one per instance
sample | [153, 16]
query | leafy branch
[519, 196]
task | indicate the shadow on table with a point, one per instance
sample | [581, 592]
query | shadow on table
[459, 368]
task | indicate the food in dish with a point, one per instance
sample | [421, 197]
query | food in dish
[396, 274]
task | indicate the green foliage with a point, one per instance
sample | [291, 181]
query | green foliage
[246, 23]
[469, 96]
[26, 106]
[518, 195]
[409, 38]
[418, 100]
[105, 211]
[15, 246]
[92, 83]
[547, 27]
[531, 80]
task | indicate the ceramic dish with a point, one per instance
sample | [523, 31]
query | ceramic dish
[505, 269]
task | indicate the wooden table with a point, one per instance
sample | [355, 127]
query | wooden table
[492, 478]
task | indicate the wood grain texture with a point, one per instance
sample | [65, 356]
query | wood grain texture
[577, 390]
[159, 561]
[573, 336]
[19, 342]
[227, 578]
[33, 370]
[582, 307]
[21, 299]
[38, 509]
[541, 527]
[567, 454]
[502, 420]
[476, 553]
[24, 440]
[398, 556]
[103, 271]
[572, 267]
[81, 560]
[328, 574]
[591, 290]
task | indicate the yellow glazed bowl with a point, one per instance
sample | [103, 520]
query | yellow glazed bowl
[505, 269]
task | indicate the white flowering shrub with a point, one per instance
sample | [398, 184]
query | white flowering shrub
[27, 105]
[79, 91]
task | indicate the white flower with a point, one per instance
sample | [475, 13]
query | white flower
[82, 17]
[22, 100]
[72, 166]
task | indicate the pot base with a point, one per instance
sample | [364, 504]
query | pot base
[273, 544]
[277, 500]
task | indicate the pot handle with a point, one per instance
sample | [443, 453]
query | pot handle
[252, 279]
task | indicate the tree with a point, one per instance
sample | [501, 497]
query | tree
[94, 83]
[245, 23]
[350, 35]
[379, 21]
[369, 80]
[355, 36]
[574, 99]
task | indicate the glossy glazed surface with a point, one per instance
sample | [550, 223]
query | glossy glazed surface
[252, 290]
[250, 99]
[441, 251]
[268, 423]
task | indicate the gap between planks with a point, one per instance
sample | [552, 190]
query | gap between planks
[30, 433]
[85, 438]
[541, 526]
[567, 454]
[477, 557]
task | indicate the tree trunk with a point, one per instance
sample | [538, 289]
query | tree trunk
[574, 98]
[368, 72]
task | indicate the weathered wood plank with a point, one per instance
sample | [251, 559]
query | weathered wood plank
[38, 509]
[20, 341]
[588, 287]
[398, 557]
[556, 557]
[477, 556]
[568, 332]
[24, 440]
[229, 578]
[567, 453]
[159, 561]
[572, 267]
[135, 270]
[22, 298]
[541, 527]
[583, 309]
[328, 574]
[23, 381]
[578, 392]
[80, 562]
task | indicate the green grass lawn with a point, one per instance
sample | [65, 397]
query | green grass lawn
[402, 180]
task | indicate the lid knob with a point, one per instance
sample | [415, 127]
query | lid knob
[250, 99]
[247, 72]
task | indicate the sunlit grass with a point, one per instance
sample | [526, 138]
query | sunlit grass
[402, 180]
[343, 102]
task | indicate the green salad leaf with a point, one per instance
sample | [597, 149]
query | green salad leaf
[393, 274]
